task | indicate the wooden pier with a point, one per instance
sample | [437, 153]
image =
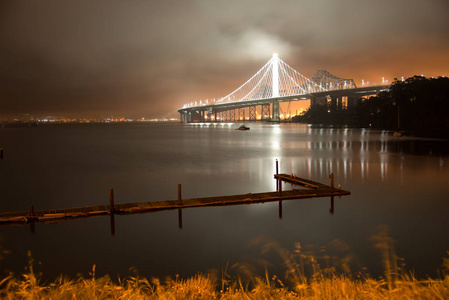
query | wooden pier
[304, 189]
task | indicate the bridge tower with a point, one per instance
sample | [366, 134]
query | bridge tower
[275, 87]
[275, 72]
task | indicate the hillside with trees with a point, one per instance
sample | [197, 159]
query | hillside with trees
[415, 104]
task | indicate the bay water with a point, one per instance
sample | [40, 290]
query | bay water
[399, 185]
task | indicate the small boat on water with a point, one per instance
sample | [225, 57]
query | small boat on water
[243, 127]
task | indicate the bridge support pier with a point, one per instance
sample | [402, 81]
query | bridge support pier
[252, 113]
[265, 112]
[333, 104]
[209, 115]
[242, 114]
[275, 115]
[232, 115]
[352, 101]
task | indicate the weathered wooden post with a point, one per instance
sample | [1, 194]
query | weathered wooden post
[277, 172]
[331, 176]
[179, 194]
[179, 210]
[111, 201]
[277, 166]
[280, 187]
[279, 181]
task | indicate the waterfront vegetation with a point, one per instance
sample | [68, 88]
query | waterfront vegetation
[205, 287]
[416, 103]
[305, 278]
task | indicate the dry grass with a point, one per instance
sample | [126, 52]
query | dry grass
[205, 287]
[305, 278]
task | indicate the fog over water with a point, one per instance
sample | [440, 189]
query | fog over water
[400, 183]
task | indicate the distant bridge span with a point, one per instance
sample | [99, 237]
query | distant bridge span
[277, 82]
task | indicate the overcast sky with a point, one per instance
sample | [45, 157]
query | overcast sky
[87, 58]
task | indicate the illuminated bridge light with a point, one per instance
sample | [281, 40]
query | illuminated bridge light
[275, 82]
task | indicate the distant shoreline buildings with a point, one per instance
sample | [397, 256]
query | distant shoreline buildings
[31, 122]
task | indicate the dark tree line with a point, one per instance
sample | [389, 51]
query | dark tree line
[417, 104]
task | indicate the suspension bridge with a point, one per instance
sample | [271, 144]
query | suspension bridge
[276, 82]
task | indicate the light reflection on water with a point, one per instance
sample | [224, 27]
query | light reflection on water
[400, 182]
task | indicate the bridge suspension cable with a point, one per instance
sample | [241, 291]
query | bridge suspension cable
[274, 79]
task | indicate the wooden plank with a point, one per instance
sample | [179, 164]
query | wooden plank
[300, 181]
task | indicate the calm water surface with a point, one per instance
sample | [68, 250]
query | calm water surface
[400, 183]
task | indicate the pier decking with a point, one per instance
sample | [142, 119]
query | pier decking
[309, 189]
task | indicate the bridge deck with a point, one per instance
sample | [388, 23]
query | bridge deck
[312, 190]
